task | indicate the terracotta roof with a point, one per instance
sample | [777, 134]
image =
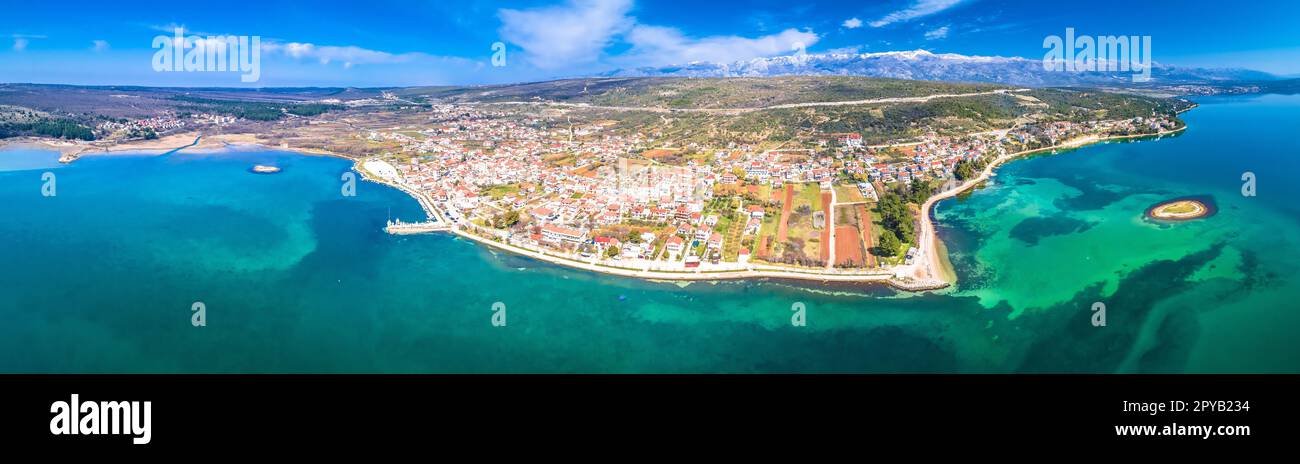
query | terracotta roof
[561, 230]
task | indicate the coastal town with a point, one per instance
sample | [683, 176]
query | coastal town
[587, 196]
[835, 183]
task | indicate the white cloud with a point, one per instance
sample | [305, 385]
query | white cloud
[21, 41]
[852, 23]
[579, 32]
[297, 49]
[563, 35]
[192, 38]
[170, 29]
[935, 34]
[917, 9]
[349, 55]
[100, 45]
[656, 46]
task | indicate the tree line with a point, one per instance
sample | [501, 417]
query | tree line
[896, 217]
[58, 128]
[969, 169]
[255, 111]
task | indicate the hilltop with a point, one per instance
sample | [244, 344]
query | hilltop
[950, 67]
[692, 93]
[673, 111]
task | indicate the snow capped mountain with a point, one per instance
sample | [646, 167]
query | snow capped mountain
[924, 65]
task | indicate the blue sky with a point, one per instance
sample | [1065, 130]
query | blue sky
[385, 42]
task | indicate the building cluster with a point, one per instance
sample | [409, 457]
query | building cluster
[570, 184]
[167, 122]
[1049, 134]
[934, 158]
[157, 123]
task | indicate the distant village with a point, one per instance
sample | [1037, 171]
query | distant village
[154, 127]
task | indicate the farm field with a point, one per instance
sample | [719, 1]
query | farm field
[797, 241]
[783, 227]
[825, 203]
[848, 240]
[763, 242]
[848, 194]
[865, 225]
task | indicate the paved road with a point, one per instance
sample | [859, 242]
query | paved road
[733, 111]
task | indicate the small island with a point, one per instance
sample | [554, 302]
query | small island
[1179, 210]
[262, 169]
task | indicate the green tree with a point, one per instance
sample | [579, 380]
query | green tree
[504, 220]
[888, 245]
[964, 170]
[512, 218]
[919, 191]
[896, 217]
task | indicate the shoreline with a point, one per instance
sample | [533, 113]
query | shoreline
[929, 271]
[930, 246]
[1200, 209]
[733, 272]
[70, 151]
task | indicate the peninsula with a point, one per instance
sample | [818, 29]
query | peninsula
[819, 178]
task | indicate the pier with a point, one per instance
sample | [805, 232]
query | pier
[411, 228]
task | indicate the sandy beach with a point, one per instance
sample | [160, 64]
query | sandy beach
[70, 151]
[930, 266]
[1179, 210]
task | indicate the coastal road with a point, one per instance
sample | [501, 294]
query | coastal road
[735, 111]
[926, 265]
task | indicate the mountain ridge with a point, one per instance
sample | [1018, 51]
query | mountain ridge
[947, 67]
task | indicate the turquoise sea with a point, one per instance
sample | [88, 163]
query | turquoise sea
[296, 277]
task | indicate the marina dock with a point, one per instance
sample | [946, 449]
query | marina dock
[412, 228]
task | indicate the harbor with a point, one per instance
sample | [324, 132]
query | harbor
[398, 227]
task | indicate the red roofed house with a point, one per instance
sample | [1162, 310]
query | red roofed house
[544, 214]
[674, 245]
[851, 140]
[603, 243]
[715, 241]
[559, 235]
